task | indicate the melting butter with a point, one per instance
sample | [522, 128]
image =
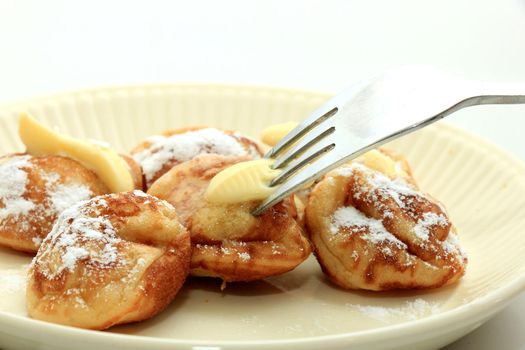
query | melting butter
[274, 133]
[104, 161]
[243, 182]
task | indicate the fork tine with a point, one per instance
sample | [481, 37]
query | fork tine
[321, 165]
[318, 150]
[316, 168]
[302, 145]
[318, 116]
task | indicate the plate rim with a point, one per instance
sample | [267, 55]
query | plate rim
[474, 311]
[160, 85]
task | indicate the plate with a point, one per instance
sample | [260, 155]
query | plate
[482, 186]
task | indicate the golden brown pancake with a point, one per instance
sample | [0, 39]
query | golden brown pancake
[229, 242]
[376, 230]
[114, 259]
[34, 190]
[158, 154]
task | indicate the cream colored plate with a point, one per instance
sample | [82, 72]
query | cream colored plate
[483, 188]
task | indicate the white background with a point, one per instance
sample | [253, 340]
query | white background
[49, 46]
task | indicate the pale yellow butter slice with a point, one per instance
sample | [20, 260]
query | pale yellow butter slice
[274, 133]
[104, 161]
[243, 182]
[379, 161]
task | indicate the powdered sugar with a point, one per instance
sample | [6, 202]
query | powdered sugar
[80, 233]
[183, 147]
[226, 251]
[410, 310]
[137, 267]
[349, 217]
[13, 184]
[275, 248]
[374, 189]
[382, 187]
[66, 195]
[244, 256]
[397, 189]
[451, 246]
[355, 255]
[346, 171]
[429, 220]
[139, 193]
[51, 198]
[62, 196]
[72, 255]
[14, 280]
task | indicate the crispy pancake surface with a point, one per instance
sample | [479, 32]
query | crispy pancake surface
[33, 192]
[113, 259]
[158, 154]
[229, 242]
[372, 228]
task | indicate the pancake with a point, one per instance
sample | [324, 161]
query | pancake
[33, 192]
[372, 228]
[110, 260]
[229, 242]
[158, 154]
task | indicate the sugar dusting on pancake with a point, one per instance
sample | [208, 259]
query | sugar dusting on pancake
[356, 222]
[13, 183]
[32, 196]
[382, 192]
[186, 146]
[78, 229]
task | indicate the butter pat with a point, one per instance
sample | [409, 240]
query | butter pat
[273, 134]
[104, 161]
[243, 182]
[377, 160]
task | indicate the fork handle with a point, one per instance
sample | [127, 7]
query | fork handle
[497, 93]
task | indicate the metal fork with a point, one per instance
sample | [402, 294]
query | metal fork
[372, 113]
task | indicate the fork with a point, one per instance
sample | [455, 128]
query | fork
[372, 113]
